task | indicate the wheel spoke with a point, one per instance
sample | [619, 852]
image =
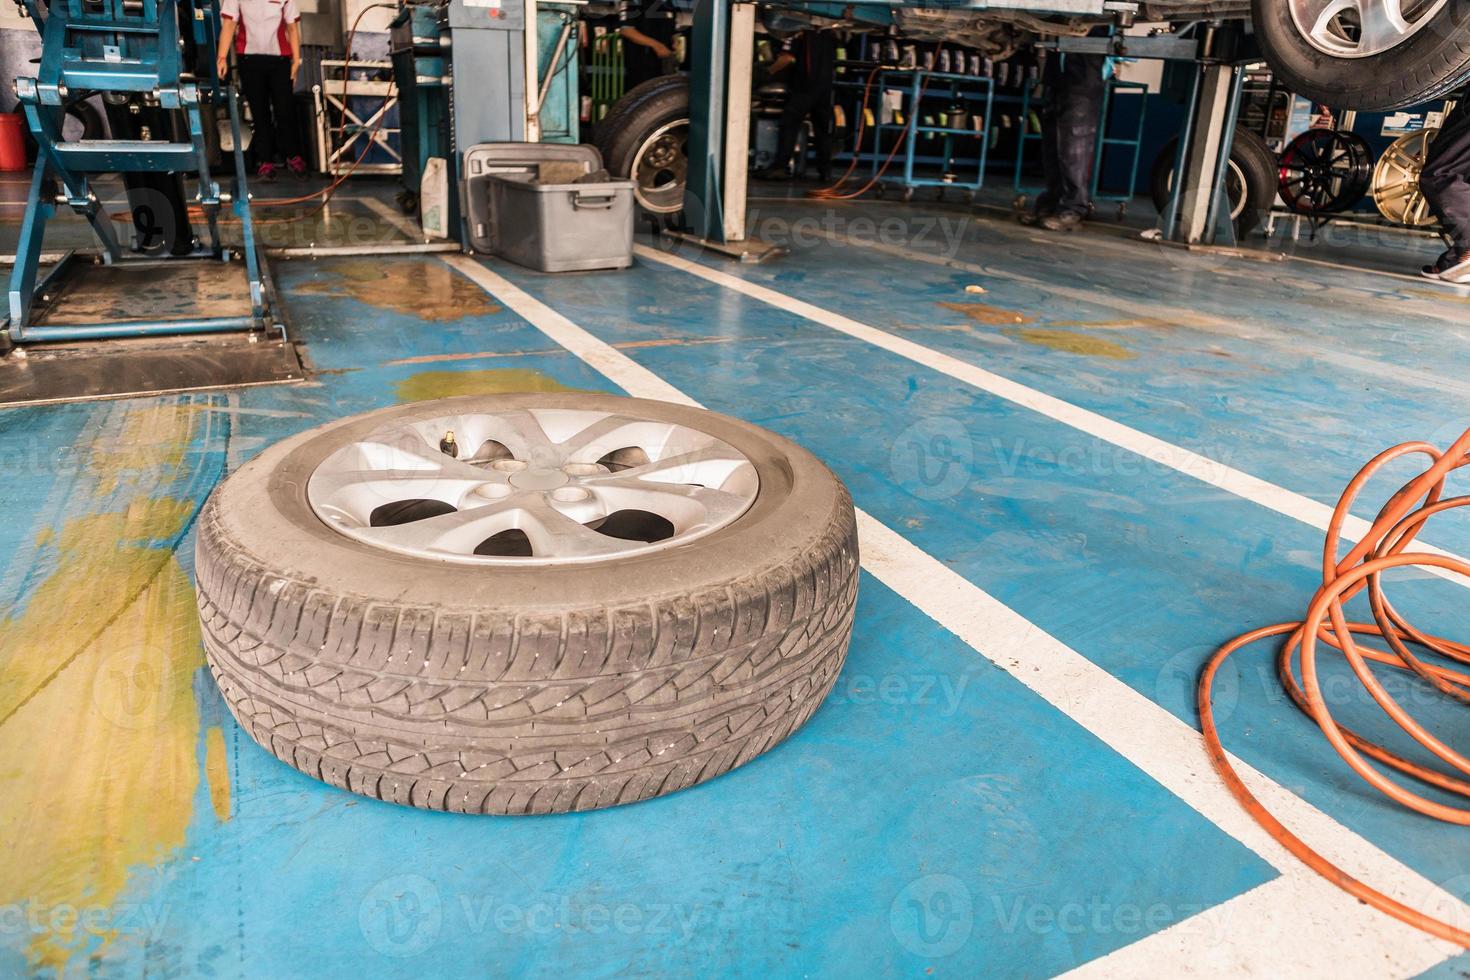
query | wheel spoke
[612, 433]
[358, 493]
[406, 453]
[522, 433]
[555, 535]
[1383, 24]
[456, 534]
[710, 466]
[1322, 27]
[684, 506]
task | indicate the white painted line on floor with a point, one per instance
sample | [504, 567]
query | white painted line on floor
[1173, 754]
[339, 251]
[393, 216]
[1293, 925]
[1322, 924]
[1152, 448]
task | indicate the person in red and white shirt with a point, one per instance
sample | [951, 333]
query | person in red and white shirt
[266, 36]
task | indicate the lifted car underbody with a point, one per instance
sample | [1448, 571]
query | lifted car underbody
[997, 28]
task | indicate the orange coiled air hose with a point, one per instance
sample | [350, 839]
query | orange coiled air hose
[1382, 548]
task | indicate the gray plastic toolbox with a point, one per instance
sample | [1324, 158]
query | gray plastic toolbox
[562, 227]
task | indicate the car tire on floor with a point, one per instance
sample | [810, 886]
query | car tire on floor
[1253, 170]
[359, 632]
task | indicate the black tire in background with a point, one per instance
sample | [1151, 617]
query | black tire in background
[524, 689]
[633, 119]
[634, 96]
[1426, 65]
[83, 122]
[1255, 170]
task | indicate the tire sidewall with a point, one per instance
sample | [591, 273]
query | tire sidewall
[1256, 162]
[262, 513]
[610, 123]
[1262, 177]
[632, 126]
[1377, 82]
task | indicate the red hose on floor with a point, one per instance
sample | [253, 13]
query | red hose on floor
[1382, 548]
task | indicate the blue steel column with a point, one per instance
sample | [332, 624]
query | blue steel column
[1219, 219]
[1181, 159]
[709, 54]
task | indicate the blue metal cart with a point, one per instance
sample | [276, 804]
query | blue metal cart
[1129, 143]
[960, 146]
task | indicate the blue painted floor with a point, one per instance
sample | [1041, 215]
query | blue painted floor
[936, 816]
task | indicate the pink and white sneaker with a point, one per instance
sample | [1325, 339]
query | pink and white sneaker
[297, 166]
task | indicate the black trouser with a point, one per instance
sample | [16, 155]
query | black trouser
[1069, 122]
[1445, 180]
[266, 82]
[801, 103]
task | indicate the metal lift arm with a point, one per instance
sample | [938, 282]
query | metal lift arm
[131, 53]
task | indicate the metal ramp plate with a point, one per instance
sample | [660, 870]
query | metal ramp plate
[48, 373]
[166, 291]
[175, 293]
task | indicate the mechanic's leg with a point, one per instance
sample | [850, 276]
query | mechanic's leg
[1078, 119]
[822, 124]
[793, 114]
[283, 108]
[1445, 179]
[1051, 165]
[255, 84]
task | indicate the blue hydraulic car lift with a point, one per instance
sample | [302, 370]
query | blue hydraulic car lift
[131, 52]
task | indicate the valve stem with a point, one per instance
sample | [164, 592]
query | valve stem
[448, 446]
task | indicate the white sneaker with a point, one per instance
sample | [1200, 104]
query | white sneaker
[1458, 273]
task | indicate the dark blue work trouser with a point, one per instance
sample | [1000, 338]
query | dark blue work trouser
[1445, 179]
[1070, 119]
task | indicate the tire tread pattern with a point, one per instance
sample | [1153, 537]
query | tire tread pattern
[508, 712]
[1418, 72]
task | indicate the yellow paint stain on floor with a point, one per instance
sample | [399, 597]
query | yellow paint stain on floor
[103, 568]
[152, 439]
[1070, 342]
[444, 384]
[425, 288]
[99, 728]
[987, 314]
[217, 770]
[1119, 324]
[98, 768]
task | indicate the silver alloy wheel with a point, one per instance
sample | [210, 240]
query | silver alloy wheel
[1235, 187]
[1361, 28]
[1235, 178]
[532, 486]
[661, 168]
